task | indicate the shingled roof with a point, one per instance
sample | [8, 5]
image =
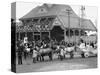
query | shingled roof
[61, 12]
[47, 10]
[75, 23]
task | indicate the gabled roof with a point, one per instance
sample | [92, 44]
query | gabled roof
[62, 14]
[88, 25]
[75, 23]
[46, 10]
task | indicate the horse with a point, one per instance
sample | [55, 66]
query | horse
[44, 52]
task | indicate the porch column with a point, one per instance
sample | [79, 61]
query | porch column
[65, 35]
[40, 35]
[33, 35]
[74, 38]
[49, 35]
[79, 33]
[69, 35]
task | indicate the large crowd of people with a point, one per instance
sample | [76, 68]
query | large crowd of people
[38, 49]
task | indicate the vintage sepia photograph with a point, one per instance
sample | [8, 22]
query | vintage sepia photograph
[53, 37]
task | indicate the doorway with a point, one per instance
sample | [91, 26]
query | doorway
[57, 33]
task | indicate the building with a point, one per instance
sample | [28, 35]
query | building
[53, 21]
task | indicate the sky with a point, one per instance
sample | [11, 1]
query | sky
[22, 8]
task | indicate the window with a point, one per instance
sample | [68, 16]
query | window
[42, 10]
[71, 32]
[76, 32]
[82, 33]
[67, 32]
[36, 32]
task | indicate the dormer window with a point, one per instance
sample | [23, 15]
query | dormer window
[42, 10]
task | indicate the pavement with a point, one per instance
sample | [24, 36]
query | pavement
[57, 65]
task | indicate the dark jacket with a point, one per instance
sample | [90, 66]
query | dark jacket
[20, 50]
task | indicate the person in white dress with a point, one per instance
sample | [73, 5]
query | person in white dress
[82, 45]
[61, 54]
[34, 56]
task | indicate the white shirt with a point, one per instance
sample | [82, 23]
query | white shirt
[58, 47]
[82, 45]
[65, 49]
[34, 53]
[62, 52]
[28, 49]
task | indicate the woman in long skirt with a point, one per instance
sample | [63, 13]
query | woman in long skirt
[61, 54]
[34, 55]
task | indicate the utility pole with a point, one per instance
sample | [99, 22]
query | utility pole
[82, 11]
[81, 19]
[69, 12]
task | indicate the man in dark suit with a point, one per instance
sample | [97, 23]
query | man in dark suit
[20, 50]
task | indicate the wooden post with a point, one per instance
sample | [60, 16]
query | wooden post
[65, 35]
[49, 35]
[69, 12]
[79, 35]
[40, 35]
[40, 27]
[69, 35]
[33, 35]
[74, 36]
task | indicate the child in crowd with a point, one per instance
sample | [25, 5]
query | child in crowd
[34, 55]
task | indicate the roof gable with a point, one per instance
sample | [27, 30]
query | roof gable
[61, 12]
[47, 10]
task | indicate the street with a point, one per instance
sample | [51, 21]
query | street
[57, 65]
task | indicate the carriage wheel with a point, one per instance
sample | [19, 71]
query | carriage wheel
[86, 55]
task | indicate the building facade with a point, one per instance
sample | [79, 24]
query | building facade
[53, 21]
